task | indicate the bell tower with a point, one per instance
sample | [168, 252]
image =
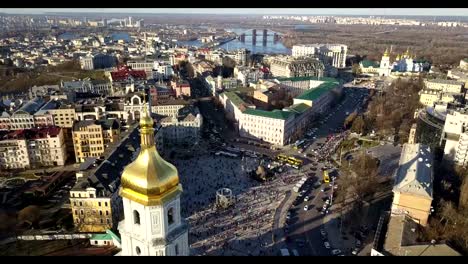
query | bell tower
[151, 191]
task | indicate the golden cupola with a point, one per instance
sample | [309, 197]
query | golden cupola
[386, 53]
[149, 180]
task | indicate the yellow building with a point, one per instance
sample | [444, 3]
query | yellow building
[91, 137]
[90, 212]
[95, 201]
[412, 192]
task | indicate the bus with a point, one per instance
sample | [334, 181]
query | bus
[299, 144]
[294, 162]
[326, 177]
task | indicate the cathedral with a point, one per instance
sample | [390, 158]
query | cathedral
[150, 192]
[404, 63]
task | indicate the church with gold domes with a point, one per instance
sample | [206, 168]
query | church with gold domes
[150, 191]
[403, 64]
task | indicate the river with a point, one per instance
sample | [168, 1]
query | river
[268, 47]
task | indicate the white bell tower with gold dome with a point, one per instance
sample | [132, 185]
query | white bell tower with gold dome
[385, 67]
[150, 191]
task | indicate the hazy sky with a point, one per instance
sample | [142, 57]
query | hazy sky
[299, 11]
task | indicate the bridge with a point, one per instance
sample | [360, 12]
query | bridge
[253, 33]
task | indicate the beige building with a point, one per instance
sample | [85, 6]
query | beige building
[296, 67]
[91, 137]
[413, 189]
[182, 126]
[447, 86]
[169, 108]
[32, 148]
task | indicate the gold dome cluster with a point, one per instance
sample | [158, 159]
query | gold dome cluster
[149, 179]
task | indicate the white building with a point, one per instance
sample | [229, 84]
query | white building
[150, 190]
[333, 54]
[454, 135]
[86, 63]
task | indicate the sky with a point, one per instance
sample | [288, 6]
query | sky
[252, 11]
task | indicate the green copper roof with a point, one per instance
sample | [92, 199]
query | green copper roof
[101, 237]
[299, 108]
[308, 78]
[368, 63]
[276, 114]
[236, 100]
[315, 93]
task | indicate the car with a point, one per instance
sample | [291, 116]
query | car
[306, 198]
[336, 252]
[306, 207]
[355, 252]
[326, 245]
[322, 190]
[323, 232]
[300, 242]
[358, 243]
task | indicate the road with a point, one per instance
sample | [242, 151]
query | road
[306, 225]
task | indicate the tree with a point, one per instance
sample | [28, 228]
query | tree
[356, 69]
[358, 125]
[463, 202]
[349, 120]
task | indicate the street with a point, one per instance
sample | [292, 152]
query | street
[306, 225]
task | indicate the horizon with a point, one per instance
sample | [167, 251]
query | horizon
[452, 12]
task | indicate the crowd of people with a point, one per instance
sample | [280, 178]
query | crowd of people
[244, 228]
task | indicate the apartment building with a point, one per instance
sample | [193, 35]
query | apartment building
[296, 67]
[182, 127]
[453, 138]
[448, 86]
[413, 189]
[331, 54]
[32, 148]
[91, 137]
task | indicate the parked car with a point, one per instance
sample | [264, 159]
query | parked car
[336, 252]
[326, 245]
[306, 207]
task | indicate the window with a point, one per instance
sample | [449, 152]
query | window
[177, 249]
[107, 212]
[95, 242]
[100, 212]
[136, 217]
[105, 203]
[137, 249]
[81, 204]
[99, 203]
[170, 216]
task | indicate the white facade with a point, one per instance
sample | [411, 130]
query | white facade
[334, 54]
[455, 128]
[86, 63]
[152, 230]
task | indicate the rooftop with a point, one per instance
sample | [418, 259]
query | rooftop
[276, 114]
[443, 81]
[401, 240]
[313, 94]
[414, 174]
[31, 134]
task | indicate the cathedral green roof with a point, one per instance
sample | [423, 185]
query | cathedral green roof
[369, 63]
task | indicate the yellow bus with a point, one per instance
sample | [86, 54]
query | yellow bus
[296, 163]
[326, 177]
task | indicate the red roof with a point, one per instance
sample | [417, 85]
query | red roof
[123, 72]
[33, 133]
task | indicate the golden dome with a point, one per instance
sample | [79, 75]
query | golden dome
[149, 179]
[386, 53]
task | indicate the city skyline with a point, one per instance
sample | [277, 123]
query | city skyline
[252, 11]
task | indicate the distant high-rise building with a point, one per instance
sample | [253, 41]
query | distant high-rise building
[333, 54]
